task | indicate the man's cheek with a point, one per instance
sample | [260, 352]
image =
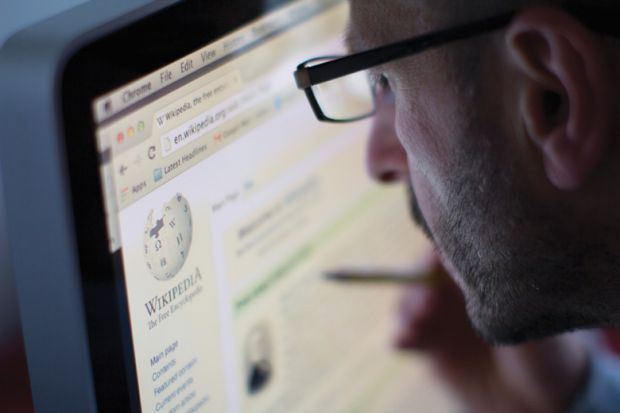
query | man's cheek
[420, 139]
[435, 212]
[426, 198]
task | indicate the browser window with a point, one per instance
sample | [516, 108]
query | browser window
[227, 202]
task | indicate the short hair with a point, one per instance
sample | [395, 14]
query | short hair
[448, 13]
[480, 8]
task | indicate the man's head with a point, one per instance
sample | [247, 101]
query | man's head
[510, 143]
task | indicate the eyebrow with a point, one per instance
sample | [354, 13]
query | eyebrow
[353, 40]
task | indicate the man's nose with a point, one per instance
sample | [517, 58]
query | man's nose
[385, 158]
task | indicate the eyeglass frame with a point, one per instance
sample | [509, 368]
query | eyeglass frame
[596, 18]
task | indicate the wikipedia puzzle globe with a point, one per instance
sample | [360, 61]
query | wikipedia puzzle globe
[167, 239]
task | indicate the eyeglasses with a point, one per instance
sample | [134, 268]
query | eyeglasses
[339, 87]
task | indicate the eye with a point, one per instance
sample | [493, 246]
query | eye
[383, 82]
[379, 81]
[383, 89]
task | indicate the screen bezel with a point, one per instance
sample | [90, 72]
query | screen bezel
[97, 68]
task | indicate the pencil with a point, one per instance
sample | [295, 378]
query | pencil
[388, 276]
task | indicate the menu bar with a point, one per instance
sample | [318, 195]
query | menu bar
[120, 99]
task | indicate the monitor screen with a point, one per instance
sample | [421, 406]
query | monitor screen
[226, 203]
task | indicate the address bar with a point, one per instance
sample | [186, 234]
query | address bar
[210, 119]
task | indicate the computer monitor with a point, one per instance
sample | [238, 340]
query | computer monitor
[204, 204]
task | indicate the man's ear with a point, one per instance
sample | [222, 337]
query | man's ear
[566, 98]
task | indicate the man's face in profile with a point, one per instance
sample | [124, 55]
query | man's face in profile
[472, 189]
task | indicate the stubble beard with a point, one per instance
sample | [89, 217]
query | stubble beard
[416, 213]
[525, 268]
[523, 274]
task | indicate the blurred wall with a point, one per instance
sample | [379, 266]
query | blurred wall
[14, 385]
[15, 15]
